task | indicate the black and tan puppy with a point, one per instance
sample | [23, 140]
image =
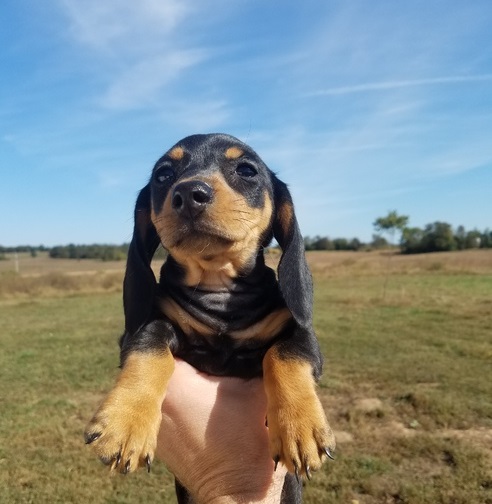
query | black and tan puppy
[214, 205]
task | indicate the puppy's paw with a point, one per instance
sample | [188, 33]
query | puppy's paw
[123, 432]
[299, 435]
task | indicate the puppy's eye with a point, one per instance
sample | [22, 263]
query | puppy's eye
[164, 174]
[246, 170]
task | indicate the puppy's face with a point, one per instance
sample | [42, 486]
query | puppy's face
[212, 200]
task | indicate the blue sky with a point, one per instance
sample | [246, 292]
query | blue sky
[360, 106]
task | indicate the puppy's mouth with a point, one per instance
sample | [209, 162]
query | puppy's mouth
[195, 231]
[194, 234]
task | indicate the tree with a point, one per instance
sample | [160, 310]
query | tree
[411, 240]
[486, 239]
[355, 244]
[341, 244]
[438, 237]
[378, 241]
[391, 224]
[473, 239]
[308, 243]
[460, 238]
[323, 244]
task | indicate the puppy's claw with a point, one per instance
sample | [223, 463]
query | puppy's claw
[126, 469]
[91, 437]
[308, 472]
[328, 453]
[276, 460]
[296, 472]
[148, 463]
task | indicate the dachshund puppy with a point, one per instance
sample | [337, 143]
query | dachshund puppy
[214, 205]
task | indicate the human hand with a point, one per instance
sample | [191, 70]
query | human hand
[214, 439]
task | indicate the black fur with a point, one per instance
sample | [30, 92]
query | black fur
[252, 295]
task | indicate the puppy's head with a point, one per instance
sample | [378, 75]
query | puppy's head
[213, 204]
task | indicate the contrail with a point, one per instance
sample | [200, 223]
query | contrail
[380, 86]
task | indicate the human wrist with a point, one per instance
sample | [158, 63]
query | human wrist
[243, 492]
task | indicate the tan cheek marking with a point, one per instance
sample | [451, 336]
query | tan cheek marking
[233, 153]
[266, 328]
[266, 214]
[188, 324]
[233, 213]
[177, 153]
[229, 207]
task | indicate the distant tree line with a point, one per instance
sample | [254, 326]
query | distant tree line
[325, 243]
[441, 237]
[103, 252]
[29, 249]
[435, 237]
[95, 251]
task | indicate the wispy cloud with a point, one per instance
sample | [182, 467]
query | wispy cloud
[202, 116]
[140, 84]
[388, 85]
[105, 25]
[136, 46]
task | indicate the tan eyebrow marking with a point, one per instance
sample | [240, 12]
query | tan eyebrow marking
[177, 153]
[233, 153]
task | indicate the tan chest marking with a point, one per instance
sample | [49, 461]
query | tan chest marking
[266, 328]
[188, 324]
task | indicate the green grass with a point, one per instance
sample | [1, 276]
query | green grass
[57, 358]
[424, 350]
[420, 348]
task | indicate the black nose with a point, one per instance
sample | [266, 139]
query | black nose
[190, 198]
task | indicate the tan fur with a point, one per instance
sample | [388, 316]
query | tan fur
[285, 215]
[226, 239]
[297, 427]
[266, 328]
[233, 153]
[188, 324]
[177, 153]
[129, 417]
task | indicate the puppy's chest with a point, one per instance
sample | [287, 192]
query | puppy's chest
[222, 333]
[242, 315]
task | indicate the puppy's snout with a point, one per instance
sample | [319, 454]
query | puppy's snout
[191, 198]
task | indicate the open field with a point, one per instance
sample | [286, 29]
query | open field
[407, 383]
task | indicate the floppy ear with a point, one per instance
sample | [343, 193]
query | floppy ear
[294, 277]
[140, 284]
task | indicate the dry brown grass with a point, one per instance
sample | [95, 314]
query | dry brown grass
[41, 276]
[390, 263]
[13, 286]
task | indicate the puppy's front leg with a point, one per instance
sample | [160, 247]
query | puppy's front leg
[300, 436]
[123, 431]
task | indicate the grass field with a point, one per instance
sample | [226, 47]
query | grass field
[407, 383]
